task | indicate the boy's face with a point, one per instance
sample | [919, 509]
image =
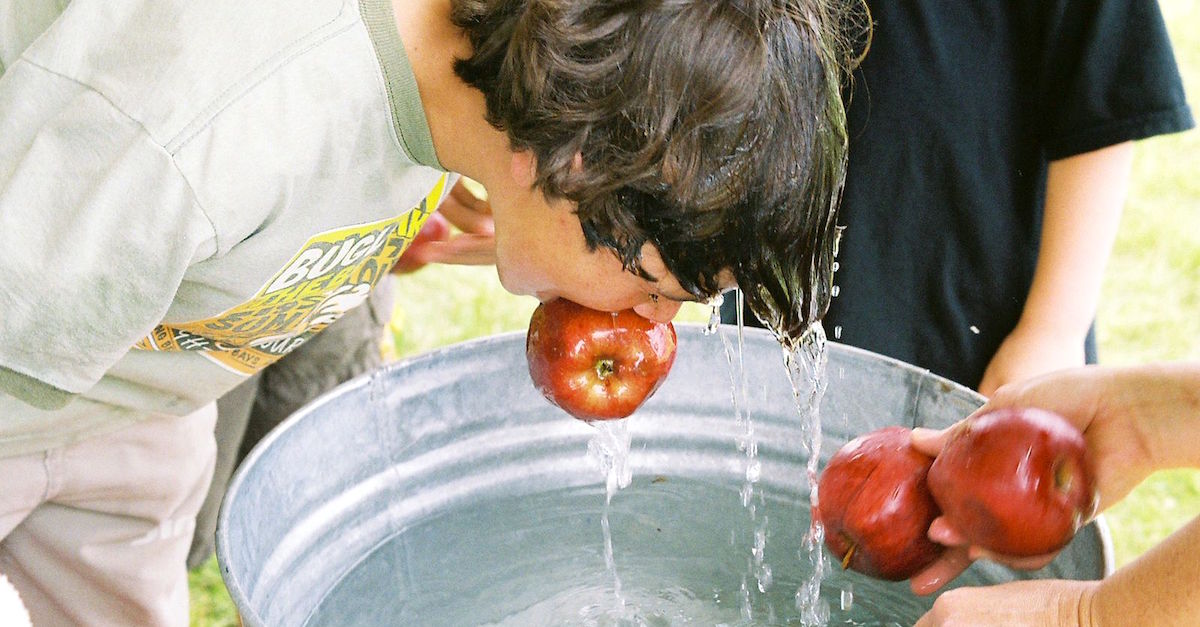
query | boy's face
[541, 251]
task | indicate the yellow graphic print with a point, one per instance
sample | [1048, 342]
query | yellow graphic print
[331, 274]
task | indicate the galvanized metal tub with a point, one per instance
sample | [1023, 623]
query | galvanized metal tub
[444, 490]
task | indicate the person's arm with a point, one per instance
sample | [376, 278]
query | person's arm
[1136, 420]
[475, 242]
[1084, 198]
[1158, 588]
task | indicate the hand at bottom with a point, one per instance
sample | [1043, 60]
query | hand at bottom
[1040, 603]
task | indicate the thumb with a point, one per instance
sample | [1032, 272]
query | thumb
[929, 441]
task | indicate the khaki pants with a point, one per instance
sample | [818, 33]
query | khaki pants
[97, 532]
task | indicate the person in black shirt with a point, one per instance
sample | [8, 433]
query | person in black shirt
[990, 149]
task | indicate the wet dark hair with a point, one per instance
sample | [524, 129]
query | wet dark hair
[712, 129]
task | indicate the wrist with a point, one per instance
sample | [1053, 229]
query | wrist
[1085, 608]
[1163, 402]
[1059, 328]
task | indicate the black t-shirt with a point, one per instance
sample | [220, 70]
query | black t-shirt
[954, 115]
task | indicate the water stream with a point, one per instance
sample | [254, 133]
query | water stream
[806, 372]
[805, 366]
[609, 449]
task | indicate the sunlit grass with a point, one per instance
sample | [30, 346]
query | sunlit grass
[1150, 306]
[211, 605]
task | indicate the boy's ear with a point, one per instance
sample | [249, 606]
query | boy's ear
[524, 168]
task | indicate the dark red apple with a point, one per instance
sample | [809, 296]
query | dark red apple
[597, 365]
[1015, 481]
[435, 229]
[875, 506]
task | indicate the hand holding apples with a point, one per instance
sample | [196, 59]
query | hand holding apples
[597, 365]
[1015, 482]
[1135, 421]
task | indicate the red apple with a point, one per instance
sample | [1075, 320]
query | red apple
[1015, 481]
[597, 365]
[435, 229]
[875, 506]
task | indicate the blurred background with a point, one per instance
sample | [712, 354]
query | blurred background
[1149, 311]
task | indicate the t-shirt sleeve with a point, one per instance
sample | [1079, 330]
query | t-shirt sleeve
[1109, 76]
[97, 227]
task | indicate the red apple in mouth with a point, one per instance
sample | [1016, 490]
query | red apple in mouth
[875, 506]
[1015, 481]
[597, 365]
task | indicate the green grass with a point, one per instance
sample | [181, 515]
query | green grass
[1150, 305]
[1150, 310]
[211, 605]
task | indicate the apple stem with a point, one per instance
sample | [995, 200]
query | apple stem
[605, 368]
[849, 554]
[1062, 476]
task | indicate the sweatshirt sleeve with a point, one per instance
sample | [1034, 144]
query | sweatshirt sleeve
[97, 227]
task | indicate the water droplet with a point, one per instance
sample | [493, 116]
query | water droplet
[747, 494]
[753, 471]
[764, 577]
[714, 320]
[714, 314]
[746, 608]
[847, 600]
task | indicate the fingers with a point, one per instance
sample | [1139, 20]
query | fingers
[929, 441]
[468, 212]
[959, 555]
[941, 532]
[1019, 563]
[474, 243]
[951, 563]
[465, 249]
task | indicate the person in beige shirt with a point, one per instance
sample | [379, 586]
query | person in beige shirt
[189, 191]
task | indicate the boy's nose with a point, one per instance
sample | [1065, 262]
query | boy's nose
[662, 310]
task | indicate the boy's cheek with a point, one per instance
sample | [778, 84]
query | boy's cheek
[510, 280]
